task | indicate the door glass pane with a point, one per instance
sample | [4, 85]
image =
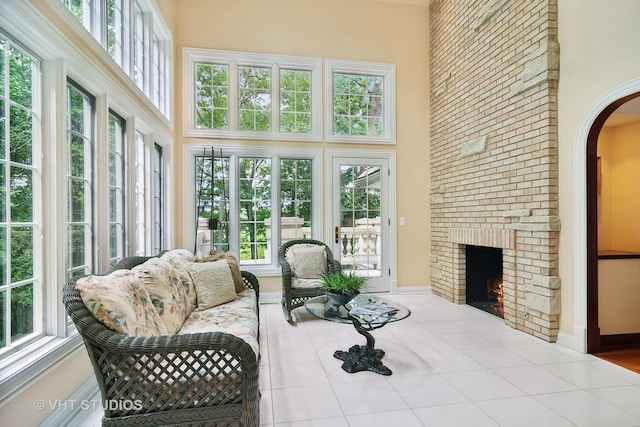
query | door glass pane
[360, 227]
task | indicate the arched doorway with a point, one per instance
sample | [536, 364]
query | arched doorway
[594, 337]
[586, 336]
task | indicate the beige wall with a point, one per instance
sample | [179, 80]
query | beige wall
[354, 30]
[596, 55]
[57, 384]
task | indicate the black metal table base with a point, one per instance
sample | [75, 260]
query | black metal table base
[363, 357]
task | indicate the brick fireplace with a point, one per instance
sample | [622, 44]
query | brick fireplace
[494, 68]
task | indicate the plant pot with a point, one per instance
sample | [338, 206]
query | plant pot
[342, 299]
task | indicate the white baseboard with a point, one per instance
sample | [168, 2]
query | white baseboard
[73, 405]
[573, 341]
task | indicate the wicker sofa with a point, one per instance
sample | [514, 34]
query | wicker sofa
[189, 377]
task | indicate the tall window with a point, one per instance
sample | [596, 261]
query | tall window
[258, 96]
[116, 30]
[295, 199]
[18, 222]
[212, 202]
[139, 30]
[117, 206]
[80, 154]
[158, 199]
[361, 102]
[141, 201]
[254, 198]
[245, 220]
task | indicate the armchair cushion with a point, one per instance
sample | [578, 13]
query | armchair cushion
[166, 290]
[214, 283]
[307, 261]
[120, 303]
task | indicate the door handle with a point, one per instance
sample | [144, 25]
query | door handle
[337, 235]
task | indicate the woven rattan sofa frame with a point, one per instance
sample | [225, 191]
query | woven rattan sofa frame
[132, 371]
[295, 297]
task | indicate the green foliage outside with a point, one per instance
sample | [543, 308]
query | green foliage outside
[16, 179]
[254, 202]
[357, 105]
[254, 98]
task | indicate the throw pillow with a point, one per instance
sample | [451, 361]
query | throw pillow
[213, 282]
[166, 291]
[179, 258]
[233, 265]
[308, 261]
[121, 303]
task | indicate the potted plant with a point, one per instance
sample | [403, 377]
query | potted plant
[342, 287]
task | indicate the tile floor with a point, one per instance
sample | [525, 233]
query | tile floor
[453, 365]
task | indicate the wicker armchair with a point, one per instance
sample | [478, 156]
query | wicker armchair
[203, 379]
[294, 297]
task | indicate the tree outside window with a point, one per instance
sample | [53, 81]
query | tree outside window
[17, 200]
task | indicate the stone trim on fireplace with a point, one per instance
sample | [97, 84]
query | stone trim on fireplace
[492, 238]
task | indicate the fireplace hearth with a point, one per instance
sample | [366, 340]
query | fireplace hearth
[484, 288]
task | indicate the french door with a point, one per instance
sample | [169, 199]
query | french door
[361, 238]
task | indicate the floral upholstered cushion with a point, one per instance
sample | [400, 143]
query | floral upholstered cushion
[179, 258]
[307, 261]
[166, 290]
[213, 282]
[121, 303]
[235, 320]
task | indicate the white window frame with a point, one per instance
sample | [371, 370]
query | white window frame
[25, 24]
[119, 151]
[387, 72]
[191, 151]
[232, 59]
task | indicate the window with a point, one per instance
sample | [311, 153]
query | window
[80, 187]
[360, 102]
[66, 206]
[137, 39]
[20, 299]
[295, 199]
[158, 199]
[254, 199]
[141, 201]
[236, 210]
[139, 30]
[116, 34]
[117, 207]
[258, 96]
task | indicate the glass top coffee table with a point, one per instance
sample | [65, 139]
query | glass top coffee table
[366, 313]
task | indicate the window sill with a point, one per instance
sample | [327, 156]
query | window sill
[32, 361]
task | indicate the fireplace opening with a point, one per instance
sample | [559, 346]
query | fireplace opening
[484, 279]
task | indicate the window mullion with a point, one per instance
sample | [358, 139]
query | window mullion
[276, 233]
